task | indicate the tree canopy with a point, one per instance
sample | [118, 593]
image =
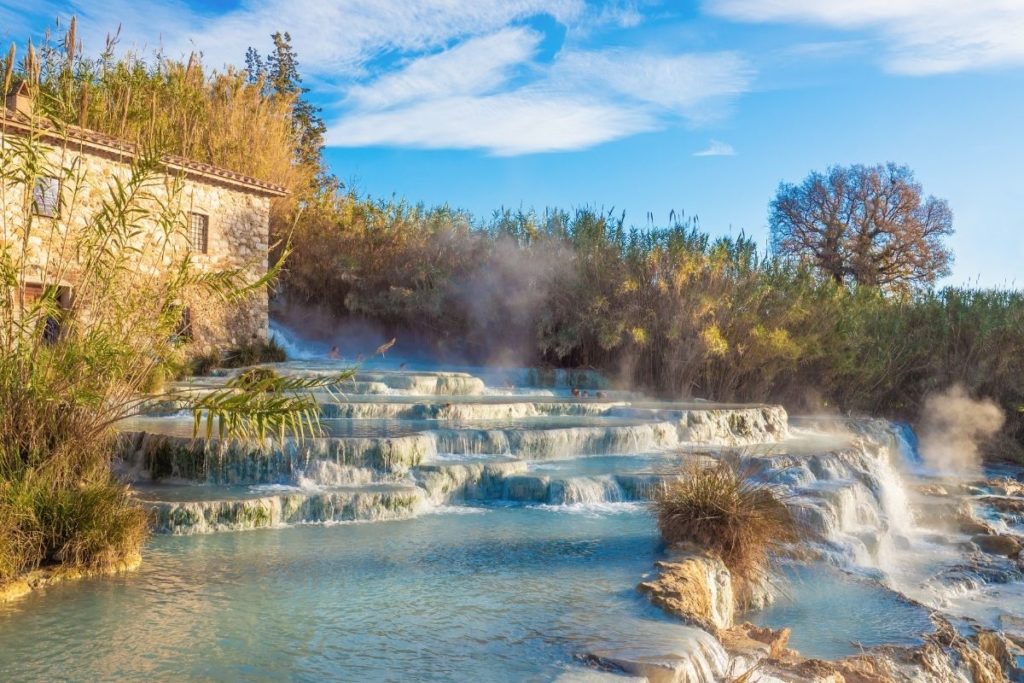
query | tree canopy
[864, 225]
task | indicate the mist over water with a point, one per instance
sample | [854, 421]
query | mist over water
[954, 426]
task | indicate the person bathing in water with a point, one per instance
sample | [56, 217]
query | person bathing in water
[334, 353]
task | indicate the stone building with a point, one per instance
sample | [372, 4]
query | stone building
[228, 216]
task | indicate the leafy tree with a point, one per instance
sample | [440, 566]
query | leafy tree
[280, 71]
[864, 225]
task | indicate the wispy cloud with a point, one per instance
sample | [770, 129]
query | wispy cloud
[340, 36]
[581, 99]
[452, 74]
[520, 122]
[921, 37]
[474, 66]
[716, 148]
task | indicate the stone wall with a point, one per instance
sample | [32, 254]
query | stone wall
[239, 225]
[238, 233]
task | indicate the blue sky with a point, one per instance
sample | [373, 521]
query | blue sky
[643, 106]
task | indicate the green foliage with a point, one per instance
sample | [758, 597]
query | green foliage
[254, 377]
[256, 408]
[279, 75]
[253, 352]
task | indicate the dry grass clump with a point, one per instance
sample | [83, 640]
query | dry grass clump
[718, 509]
[94, 525]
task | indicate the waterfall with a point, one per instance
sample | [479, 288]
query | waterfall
[326, 473]
[207, 516]
[588, 490]
[294, 347]
[859, 497]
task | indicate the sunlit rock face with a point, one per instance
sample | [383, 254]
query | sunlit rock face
[695, 587]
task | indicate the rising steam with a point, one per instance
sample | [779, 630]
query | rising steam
[953, 426]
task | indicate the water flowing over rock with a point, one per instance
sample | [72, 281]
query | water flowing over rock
[697, 588]
[406, 443]
[362, 505]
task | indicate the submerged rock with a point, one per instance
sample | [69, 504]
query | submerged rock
[998, 544]
[44, 577]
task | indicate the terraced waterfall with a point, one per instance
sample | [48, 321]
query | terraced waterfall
[491, 525]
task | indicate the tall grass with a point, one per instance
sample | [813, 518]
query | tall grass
[179, 106]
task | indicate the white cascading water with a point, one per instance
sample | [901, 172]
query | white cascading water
[294, 347]
[859, 498]
[591, 490]
[853, 496]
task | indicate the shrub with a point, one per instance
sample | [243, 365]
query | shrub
[204, 364]
[719, 510]
[254, 352]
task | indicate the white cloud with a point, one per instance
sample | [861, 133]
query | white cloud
[921, 36]
[520, 122]
[464, 74]
[340, 36]
[582, 99]
[675, 82]
[716, 148]
[477, 65]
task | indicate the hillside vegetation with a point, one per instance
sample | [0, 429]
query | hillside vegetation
[669, 309]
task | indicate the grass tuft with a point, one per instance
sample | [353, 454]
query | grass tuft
[719, 510]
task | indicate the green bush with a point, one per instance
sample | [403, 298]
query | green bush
[253, 353]
[256, 379]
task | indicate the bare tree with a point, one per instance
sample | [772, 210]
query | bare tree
[864, 225]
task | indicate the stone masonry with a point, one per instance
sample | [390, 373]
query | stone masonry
[234, 208]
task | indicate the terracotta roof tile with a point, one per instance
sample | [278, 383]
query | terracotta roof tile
[15, 122]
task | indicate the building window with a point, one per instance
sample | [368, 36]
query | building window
[46, 197]
[199, 237]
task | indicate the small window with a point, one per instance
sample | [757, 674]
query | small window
[46, 197]
[199, 237]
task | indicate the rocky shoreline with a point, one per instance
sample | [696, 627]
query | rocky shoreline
[45, 577]
[697, 588]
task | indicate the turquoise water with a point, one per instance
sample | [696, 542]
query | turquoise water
[478, 586]
[493, 594]
[485, 594]
[833, 614]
